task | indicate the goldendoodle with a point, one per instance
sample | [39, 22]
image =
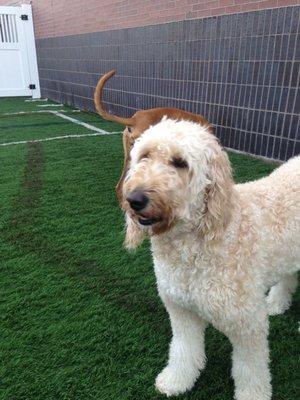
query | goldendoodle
[217, 248]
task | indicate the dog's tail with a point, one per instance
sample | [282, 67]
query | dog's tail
[98, 102]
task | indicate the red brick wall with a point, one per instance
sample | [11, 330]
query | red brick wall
[67, 17]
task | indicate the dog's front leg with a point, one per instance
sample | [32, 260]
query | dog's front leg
[186, 354]
[250, 368]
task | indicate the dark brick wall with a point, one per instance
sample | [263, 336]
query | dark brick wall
[240, 71]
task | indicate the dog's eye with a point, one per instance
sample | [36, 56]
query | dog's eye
[144, 155]
[178, 162]
[129, 129]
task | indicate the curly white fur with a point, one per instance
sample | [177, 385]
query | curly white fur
[217, 250]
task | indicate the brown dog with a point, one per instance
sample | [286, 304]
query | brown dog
[138, 123]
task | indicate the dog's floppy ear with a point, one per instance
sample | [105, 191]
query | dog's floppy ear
[218, 196]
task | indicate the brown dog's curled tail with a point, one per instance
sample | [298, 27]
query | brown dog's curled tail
[98, 102]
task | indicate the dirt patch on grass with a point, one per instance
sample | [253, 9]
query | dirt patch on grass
[27, 199]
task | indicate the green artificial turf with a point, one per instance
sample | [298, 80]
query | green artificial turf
[80, 317]
[18, 104]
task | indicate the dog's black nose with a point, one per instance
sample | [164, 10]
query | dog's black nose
[137, 200]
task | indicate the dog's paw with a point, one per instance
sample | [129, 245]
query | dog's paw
[257, 394]
[277, 305]
[172, 382]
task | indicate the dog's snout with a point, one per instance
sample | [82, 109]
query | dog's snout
[137, 200]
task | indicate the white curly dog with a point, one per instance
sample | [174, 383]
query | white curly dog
[217, 248]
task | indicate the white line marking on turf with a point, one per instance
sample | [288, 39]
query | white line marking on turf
[76, 121]
[58, 138]
[58, 113]
[34, 100]
[38, 112]
[50, 105]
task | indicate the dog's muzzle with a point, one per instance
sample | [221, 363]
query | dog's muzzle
[138, 202]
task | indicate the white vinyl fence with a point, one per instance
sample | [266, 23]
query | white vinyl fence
[18, 63]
